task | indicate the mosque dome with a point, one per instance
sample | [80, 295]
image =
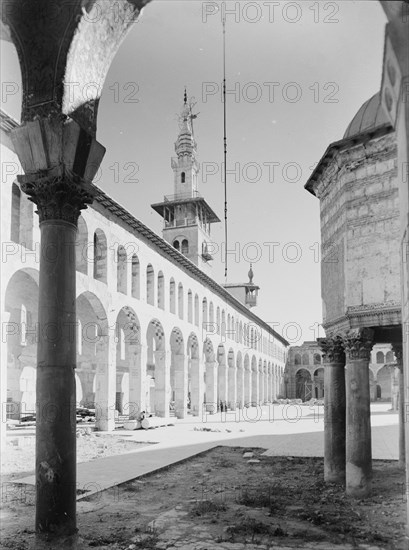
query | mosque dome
[371, 115]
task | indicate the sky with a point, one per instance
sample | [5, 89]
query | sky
[297, 72]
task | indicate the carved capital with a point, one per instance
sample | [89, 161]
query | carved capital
[358, 344]
[333, 349]
[59, 195]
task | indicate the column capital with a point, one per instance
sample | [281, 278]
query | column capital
[358, 343]
[60, 160]
[59, 195]
[332, 348]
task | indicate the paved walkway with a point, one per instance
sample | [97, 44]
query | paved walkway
[283, 432]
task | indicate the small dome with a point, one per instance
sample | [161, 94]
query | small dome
[370, 116]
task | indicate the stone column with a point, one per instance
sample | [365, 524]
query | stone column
[105, 384]
[162, 383]
[59, 159]
[254, 388]
[240, 386]
[222, 383]
[334, 408]
[358, 344]
[197, 385]
[247, 387]
[137, 379]
[181, 380]
[398, 351]
[232, 387]
[211, 387]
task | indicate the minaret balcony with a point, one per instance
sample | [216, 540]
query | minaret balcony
[182, 196]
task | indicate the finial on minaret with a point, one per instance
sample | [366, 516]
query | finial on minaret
[185, 96]
[251, 274]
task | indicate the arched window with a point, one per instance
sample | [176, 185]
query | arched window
[161, 290]
[380, 358]
[211, 313]
[100, 256]
[190, 306]
[172, 296]
[204, 313]
[218, 319]
[317, 359]
[185, 247]
[180, 301]
[390, 357]
[136, 284]
[121, 271]
[223, 325]
[183, 177]
[150, 289]
[297, 359]
[15, 213]
[81, 252]
[176, 244]
[196, 310]
[305, 359]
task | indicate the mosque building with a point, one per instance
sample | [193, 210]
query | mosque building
[154, 330]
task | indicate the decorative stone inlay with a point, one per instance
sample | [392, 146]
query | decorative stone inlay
[58, 193]
[358, 343]
[332, 348]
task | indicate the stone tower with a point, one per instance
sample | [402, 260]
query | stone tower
[187, 216]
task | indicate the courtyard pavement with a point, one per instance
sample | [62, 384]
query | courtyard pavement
[283, 430]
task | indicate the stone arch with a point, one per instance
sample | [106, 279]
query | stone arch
[100, 256]
[210, 376]
[81, 250]
[93, 362]
[303, 384]
[384, 382]
[21, 302]
[158, 392]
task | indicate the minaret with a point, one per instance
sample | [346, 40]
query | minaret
[246, 293]
[186, 214]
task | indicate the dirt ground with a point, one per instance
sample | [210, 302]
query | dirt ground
[19, 460]
[223, 498]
